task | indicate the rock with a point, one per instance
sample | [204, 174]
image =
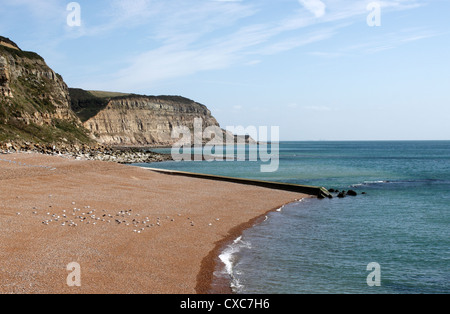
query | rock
[352, 193]
[342, 194]
[86, 152]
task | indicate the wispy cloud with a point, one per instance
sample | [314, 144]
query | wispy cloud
[39, 9]
[316, 7]
[389, 41]
[177, 60]
[207, 35]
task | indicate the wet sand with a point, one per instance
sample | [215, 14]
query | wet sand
[131, 230]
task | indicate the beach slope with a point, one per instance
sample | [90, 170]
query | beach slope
[131, 230]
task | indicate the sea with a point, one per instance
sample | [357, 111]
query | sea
[394, 239]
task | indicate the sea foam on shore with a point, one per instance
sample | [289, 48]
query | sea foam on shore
[228, 258]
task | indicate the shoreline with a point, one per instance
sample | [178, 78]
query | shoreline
[197, 218]
[207, 282]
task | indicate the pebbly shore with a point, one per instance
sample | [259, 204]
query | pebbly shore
[131, 230]
[86, 152]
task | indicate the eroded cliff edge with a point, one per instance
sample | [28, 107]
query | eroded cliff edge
[137, 120]
[34, 100]
[37, 107]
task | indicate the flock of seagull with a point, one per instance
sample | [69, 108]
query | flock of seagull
[88, 216]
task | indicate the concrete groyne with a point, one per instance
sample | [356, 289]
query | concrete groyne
[319, 192]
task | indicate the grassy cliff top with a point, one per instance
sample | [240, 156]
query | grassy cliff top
[8, 43]
[8, 46]
[103, 94]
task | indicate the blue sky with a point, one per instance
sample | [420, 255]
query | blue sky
[312, 67]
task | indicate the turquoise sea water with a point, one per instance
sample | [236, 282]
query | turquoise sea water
[325, 246]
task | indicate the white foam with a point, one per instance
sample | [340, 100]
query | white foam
[228, 258]
[368, 183]
[374, 182]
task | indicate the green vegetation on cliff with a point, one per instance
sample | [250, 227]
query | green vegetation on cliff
[85, 104]
[62, 131]
[13, 49]
[34, 100]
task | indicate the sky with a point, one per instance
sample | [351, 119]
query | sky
[318, 69]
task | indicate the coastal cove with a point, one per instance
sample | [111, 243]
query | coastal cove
[224, 154]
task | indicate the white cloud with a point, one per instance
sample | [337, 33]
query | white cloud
[316, 7]
[253, 62]
[294, 42]
[390, 41]
[190, 38]
[178, 60]
[40, 9]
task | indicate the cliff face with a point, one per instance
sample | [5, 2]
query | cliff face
[34, 100]
[145, 120]
[36, 106]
